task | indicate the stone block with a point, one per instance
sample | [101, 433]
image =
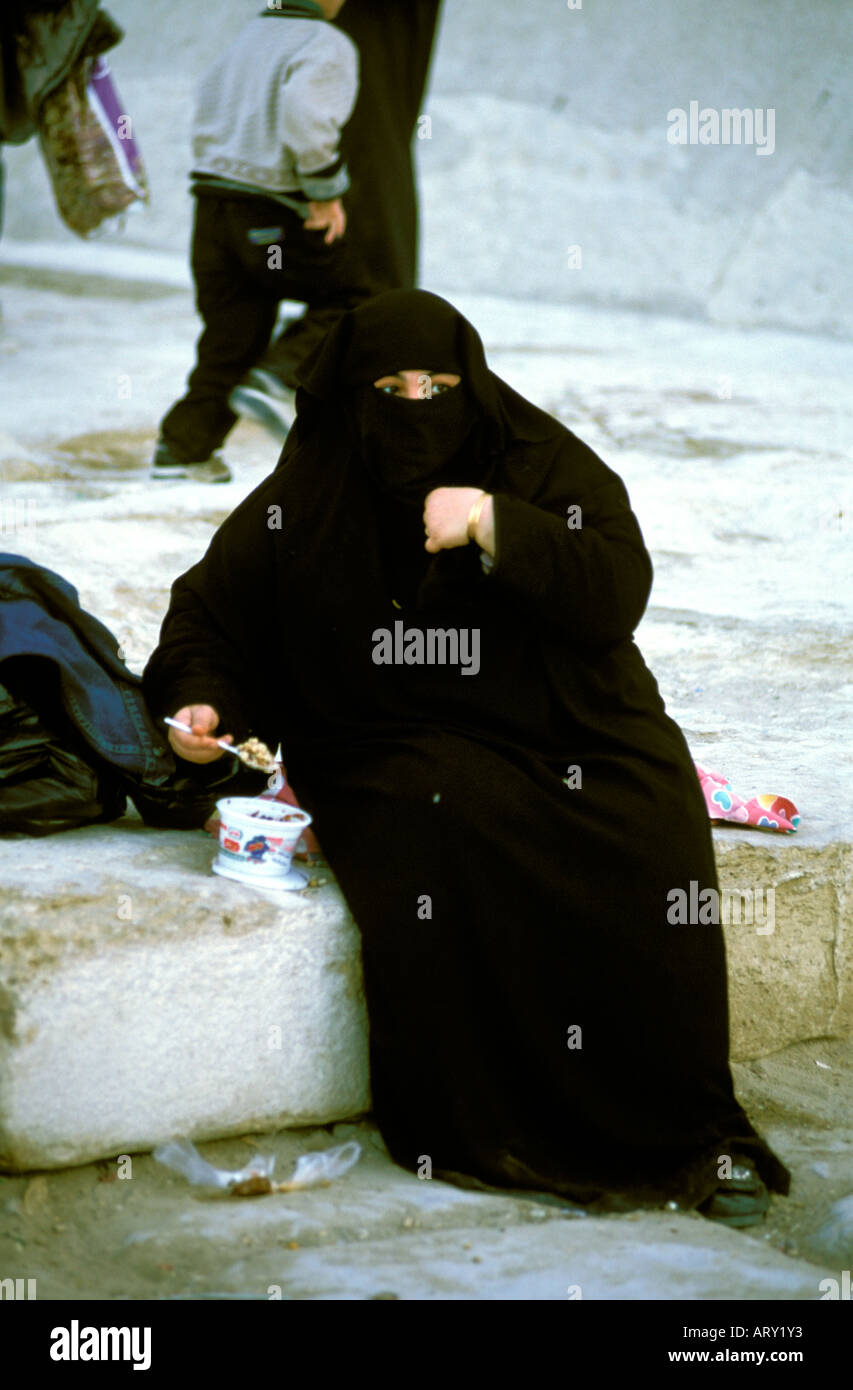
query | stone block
[790, 973]
[142, 997]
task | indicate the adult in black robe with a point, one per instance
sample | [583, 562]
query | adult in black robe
[395, 42]
[507, 839]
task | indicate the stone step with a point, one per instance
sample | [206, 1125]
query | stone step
[791, 972]
[142, 997]
[377, 1232]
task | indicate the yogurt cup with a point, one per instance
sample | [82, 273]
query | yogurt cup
[257, 839]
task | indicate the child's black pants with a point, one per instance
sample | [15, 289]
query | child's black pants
[249, 253]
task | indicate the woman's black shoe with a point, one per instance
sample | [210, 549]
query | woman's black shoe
[742, 1200]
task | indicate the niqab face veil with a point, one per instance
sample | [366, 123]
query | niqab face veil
[408, 447]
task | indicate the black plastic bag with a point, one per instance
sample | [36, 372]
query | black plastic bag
[45, 784]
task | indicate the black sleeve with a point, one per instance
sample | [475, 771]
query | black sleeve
[195, 664]
[217, 628]
[589, 581]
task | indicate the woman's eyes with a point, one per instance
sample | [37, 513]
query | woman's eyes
[437, 388]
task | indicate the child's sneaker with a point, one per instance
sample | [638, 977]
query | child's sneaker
[263, 380]
[210, 470]
[264, 399]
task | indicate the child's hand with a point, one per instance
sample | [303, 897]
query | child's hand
[329, 215]
[197, 747]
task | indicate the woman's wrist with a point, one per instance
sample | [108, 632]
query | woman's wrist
[481, 523]
[474, 513]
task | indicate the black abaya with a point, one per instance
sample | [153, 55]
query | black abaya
[395, 44]
[394, 41]
[500, 910]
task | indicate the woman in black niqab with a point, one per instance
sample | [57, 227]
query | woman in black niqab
[506, 836]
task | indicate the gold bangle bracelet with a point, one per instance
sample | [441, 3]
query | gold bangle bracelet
[474, 514]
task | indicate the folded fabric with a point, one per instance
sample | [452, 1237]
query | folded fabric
[765, 811]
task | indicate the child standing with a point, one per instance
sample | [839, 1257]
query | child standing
[267, 179]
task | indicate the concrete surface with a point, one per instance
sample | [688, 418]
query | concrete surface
[547, 131]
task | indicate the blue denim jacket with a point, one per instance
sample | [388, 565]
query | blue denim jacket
[40, 615]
